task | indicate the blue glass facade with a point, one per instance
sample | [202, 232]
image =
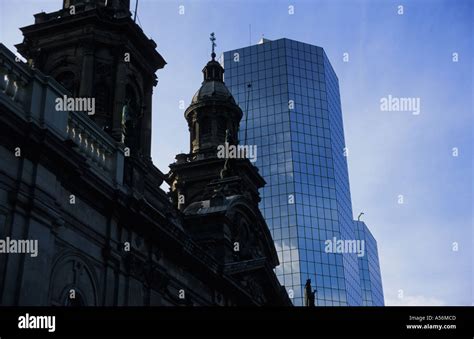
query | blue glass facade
[295, 119]
[369, 268]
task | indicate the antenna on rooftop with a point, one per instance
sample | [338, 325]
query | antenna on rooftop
[250, 34]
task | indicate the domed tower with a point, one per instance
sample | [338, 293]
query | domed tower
[96, 50]
[218, 193]
[213, 119]
[212, 113]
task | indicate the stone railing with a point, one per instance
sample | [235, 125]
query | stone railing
[91, 142]
[31, 95]
[10, 86]
[13, 78]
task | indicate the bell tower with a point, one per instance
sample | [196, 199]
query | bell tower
[95, 50]
[213, 116]
[213, 120]
[218, 193]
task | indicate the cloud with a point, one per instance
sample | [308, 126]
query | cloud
[417, 300]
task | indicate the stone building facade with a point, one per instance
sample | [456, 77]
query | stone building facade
[86, 189]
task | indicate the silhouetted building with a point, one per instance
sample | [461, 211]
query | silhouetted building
[86, 189]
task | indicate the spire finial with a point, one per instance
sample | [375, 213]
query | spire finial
[213, 40]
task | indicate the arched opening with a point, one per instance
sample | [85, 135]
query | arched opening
[221, 127]
[132, 100]
[205, 127]
[131, 115]
[102, 100]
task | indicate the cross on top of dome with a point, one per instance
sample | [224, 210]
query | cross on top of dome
[213, 41]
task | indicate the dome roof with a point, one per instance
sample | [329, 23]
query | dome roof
[213, 90]
[213, 87]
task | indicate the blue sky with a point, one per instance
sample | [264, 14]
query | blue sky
[390, 153]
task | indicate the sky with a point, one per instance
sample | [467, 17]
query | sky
[426, 243]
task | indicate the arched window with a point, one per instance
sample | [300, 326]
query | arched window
[206, 126]
[132, 100]
[194, 131]
[221, 126]
[102, 100]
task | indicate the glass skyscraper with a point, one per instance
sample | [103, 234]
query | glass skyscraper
[291, 95]
[369, 269]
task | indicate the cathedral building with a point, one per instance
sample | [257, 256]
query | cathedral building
[83, 189]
